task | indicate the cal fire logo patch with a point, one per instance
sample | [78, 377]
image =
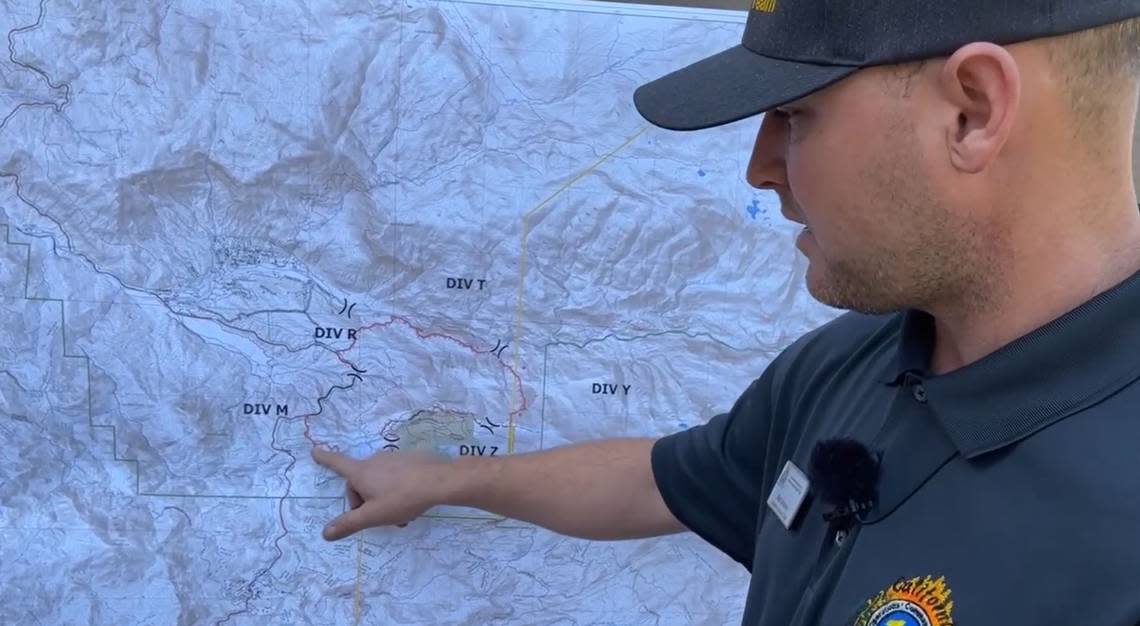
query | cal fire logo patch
[915, 602]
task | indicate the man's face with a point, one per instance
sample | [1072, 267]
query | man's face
[852, 162]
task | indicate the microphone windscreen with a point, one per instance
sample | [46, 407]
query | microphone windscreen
[844, 470]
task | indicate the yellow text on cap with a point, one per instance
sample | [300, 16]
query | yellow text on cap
[766, 6]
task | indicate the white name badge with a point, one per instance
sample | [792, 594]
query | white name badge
[788, 494]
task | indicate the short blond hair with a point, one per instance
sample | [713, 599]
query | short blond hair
[1098, 69]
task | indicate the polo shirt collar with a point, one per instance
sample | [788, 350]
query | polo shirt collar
[1036, 380]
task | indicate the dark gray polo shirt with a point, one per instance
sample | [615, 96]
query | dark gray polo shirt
[1009, 493]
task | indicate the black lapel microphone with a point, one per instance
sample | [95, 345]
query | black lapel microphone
[846, 474]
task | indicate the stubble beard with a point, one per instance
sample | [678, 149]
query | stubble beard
[921, 255]
[940, 264]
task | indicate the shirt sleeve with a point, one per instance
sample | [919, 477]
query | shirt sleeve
[711, 475]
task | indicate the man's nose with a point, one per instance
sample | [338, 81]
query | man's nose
[767, 169]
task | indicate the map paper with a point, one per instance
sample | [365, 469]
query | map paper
[230, 231]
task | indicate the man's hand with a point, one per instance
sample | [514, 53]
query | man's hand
[385, 489]
[595, 490]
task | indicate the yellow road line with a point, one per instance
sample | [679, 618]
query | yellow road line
[522, 268]
[359, 573]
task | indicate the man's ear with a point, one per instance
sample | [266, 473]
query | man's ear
[1136, 155]
[983, 83]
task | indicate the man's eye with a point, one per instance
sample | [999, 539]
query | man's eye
[793, 120]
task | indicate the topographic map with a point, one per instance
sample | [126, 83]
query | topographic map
[230, 231]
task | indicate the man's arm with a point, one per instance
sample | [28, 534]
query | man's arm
[597, 490]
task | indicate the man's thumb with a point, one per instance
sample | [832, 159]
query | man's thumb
[348, 523]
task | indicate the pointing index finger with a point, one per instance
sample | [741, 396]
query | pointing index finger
[332, 459]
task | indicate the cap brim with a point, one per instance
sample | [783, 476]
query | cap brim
[730, 86]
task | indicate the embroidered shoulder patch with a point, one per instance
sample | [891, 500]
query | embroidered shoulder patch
[921, 601]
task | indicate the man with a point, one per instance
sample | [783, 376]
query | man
[961, 447]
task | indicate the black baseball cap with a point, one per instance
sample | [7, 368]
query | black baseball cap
[792, 48]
